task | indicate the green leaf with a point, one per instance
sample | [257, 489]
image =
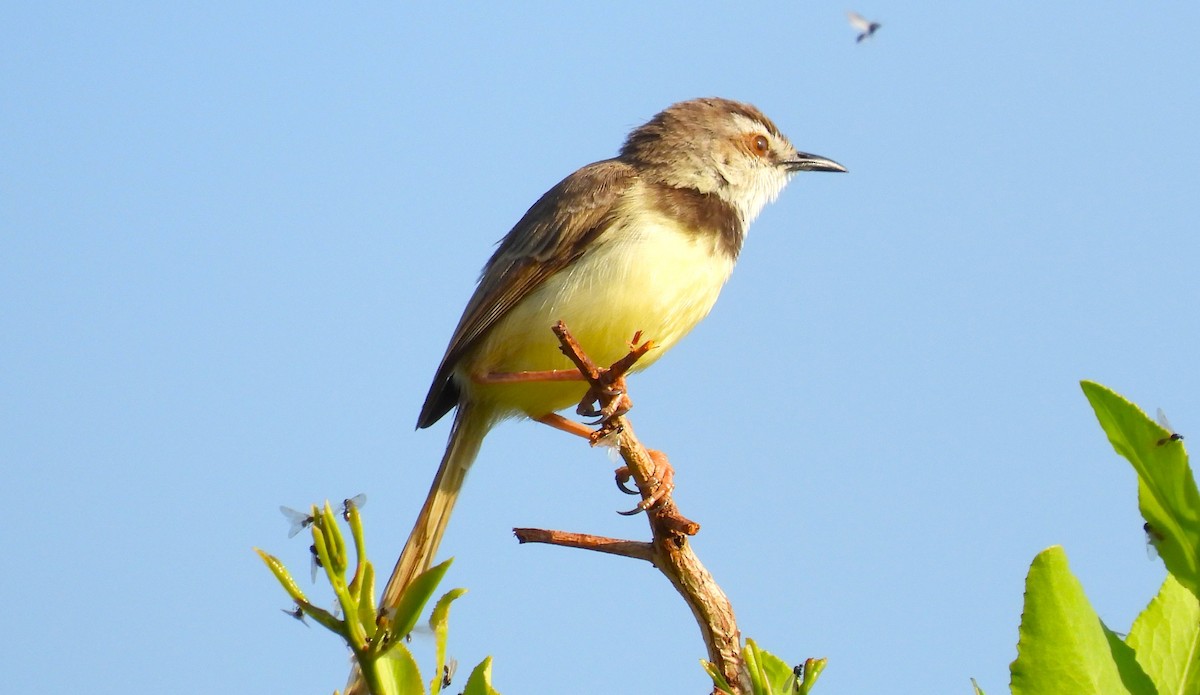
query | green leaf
[1132, 675]
[439, 622]
[717, 677]
[1167, 494]
[778, 675]
[812, 671]
[769, 675]
[480, 682]
[366, 597]
[1063, 647]
[398, 673]
[331, 547]
[414, 598]
[1166, 639]
[354, 518]
[758, 679]
[975, 686]
[282, 575]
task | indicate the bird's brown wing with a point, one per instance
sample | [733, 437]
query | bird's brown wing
[551, 235]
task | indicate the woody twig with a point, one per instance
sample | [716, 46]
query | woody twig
[668, 549]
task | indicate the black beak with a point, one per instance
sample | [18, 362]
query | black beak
[803, 161]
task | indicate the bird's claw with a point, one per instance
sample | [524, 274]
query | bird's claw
[662, 483]
[624, 476]
[636, 510]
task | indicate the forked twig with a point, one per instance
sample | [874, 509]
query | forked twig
[669, 549]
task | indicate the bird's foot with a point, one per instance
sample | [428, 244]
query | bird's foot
[606, 399]
[658, 487]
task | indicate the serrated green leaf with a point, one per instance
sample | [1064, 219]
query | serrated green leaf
[439, 622]
[480, 682]
[412, 601]
[1063, 647]
[1166, 639]
[1167, 494]
[439, 619]
[282, 575]
[1132, 675]
[399, 673]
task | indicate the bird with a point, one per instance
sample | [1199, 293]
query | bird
[865, 27]
[639, 243]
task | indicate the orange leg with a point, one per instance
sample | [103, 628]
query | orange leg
[606, 386]
[559, 422]
[525, 377]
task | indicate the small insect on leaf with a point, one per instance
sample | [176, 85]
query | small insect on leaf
[299, 520]
[1153, 538]
[1166, 425]
[358, 502]
[316, 561]
[448, 672]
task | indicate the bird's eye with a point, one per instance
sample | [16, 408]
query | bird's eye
[759, 145]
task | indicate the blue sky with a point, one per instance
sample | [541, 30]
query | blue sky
[234, 239]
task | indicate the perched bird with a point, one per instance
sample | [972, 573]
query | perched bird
[642, 243]
[862, 25]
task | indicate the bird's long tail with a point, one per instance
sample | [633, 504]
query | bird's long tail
[471, 423]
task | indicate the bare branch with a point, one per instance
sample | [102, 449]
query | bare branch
[669, 550]
[637, 550]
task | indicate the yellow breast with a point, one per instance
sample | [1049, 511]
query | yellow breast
[645, 274]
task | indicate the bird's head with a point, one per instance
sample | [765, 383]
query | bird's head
[722, 147]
